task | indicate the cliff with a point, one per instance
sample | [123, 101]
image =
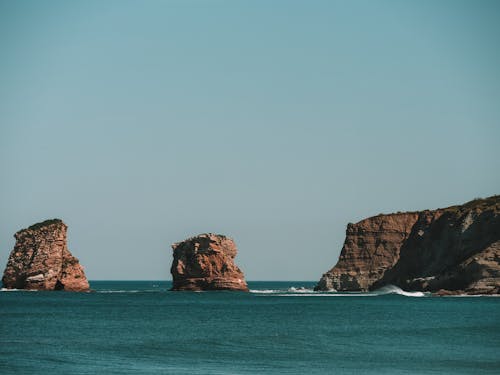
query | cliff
[206, 262]
[447, 251]
[41, 260]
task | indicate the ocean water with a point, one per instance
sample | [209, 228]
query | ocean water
[139, 327]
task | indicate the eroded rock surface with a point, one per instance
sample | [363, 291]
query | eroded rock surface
[206, 262]
[451, 250]
[41, 260]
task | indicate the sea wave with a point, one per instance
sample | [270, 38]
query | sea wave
[132, 291]
[305, 292]
[393, 289]
[119, 291]
[325, 294]
[300, 289]
[292, 291]
[265, 291]
[297, 290]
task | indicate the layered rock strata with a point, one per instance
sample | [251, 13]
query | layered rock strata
[206, 262]
[41, 260]
[455, 250]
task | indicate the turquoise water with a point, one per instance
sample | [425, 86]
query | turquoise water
[140, 327]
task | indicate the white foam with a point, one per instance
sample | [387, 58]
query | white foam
[472, 295]
[120, 291]
[300, 289]
[292, 289]
[265, 291]
[393, 289]
[305, 292]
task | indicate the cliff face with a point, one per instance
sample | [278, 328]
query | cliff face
[371, 247]
[451, 250]
[206, 262]
[41, 260]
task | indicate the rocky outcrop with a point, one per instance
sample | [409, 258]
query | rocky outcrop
[371, 247]
[41, 260]
[453, 250]
[206, 262]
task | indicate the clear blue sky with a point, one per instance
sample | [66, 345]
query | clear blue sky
[140, 123]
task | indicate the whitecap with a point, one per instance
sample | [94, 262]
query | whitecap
[265, 291]
[471, 295]
[393, 289]
[300, 289]
[292, 289]
[119, 291]
[323, 294]
[305, 292]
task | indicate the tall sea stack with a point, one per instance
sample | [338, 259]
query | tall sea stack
[206, 262]
[448, 251]
[41, 260]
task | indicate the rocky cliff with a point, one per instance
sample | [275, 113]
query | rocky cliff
[206, 262]
[450, 250]
[41, 260]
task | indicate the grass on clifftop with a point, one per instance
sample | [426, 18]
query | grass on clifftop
[44, 224]
[492, 202]
[481, 203]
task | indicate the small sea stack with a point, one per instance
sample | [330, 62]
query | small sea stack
[41, 260]
[206, 262]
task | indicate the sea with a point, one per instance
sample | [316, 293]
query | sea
[140, 327]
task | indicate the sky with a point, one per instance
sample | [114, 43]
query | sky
[142, 123]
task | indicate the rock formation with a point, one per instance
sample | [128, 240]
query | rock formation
[447, 251]
[41, 260]
[206, 262]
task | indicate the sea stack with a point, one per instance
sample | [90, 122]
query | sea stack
[206, 262]
[41, 260]
[454, 250]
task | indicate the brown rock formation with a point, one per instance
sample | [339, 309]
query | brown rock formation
[41, 260]
[206, 262]
[371, 247]
[450, 250]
